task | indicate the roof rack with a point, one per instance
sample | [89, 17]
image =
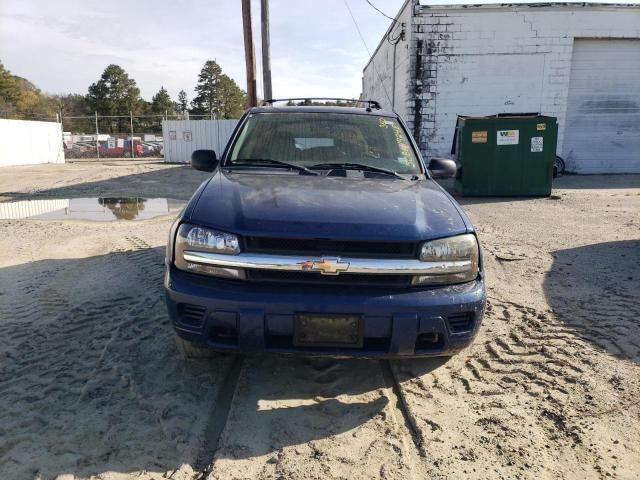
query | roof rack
[310, 101]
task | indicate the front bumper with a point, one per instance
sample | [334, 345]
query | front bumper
[246, 317]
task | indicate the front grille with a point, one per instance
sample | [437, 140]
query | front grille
[295, 246]
[344, 279]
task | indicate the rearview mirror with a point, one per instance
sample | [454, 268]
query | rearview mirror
[442, 167]
[204, 160]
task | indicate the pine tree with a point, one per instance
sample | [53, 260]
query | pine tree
[217, 95]
[161, 102]
[115, 93]
[232, 98]
[183, 103]
[205, 101]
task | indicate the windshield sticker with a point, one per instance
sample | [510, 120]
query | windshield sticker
[508, 137]
[403, 145]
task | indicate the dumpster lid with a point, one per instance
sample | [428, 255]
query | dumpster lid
[503, 115]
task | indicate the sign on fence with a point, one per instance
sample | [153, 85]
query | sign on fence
[182, 137]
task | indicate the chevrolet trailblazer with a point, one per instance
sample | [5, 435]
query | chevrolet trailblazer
[322, 232]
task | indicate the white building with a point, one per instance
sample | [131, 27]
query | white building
[577, 62]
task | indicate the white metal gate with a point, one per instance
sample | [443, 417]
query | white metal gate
[182, 137]
[602, 132]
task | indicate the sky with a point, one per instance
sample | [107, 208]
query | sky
[63, 45]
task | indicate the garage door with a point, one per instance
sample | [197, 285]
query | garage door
[602, 130]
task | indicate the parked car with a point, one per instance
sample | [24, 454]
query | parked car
[322, 232]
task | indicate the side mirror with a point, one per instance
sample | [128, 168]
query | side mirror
[442, 167]
[204, 160]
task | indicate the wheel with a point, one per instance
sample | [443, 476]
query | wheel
[192, 350]
[559, 164]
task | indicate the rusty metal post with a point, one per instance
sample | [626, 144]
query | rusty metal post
[249, 54]
[266, 50]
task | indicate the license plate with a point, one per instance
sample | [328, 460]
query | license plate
[327, 330]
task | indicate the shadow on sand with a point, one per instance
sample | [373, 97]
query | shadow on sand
[178, 182]
[283, 401]
[594, 290]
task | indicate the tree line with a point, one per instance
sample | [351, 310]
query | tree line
[115, 93]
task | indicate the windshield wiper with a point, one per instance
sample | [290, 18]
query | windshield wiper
[268, 161]
[357, 166]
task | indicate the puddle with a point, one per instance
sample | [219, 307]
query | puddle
[99, 209]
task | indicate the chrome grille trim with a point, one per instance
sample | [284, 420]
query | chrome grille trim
[295, 263]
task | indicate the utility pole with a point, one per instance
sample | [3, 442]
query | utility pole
[266, 50]
[249, 54]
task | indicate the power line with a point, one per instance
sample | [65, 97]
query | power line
[381, 12]
[400, 36]
[368, 51]
[357, 28]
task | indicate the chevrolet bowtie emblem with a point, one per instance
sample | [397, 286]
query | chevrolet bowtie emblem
[326, 266]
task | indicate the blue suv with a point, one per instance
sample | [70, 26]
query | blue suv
[321, 232]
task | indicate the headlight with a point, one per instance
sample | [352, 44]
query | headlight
[200, 239]
[457, 259]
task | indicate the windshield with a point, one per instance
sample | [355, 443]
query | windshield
[311, 139]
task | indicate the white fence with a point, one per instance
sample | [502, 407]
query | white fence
[31, 208]
[24, 142]
[95, 209]
[182, 137]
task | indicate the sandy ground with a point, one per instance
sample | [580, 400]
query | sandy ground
[91, 385]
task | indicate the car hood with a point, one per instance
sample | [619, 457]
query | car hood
[291, 205]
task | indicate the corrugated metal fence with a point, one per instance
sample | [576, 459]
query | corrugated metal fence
[182, 137]
[31, 208]
[25, 142]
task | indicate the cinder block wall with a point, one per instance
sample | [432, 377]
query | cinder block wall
[487, 60]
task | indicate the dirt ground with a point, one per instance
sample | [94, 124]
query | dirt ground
[91, 384]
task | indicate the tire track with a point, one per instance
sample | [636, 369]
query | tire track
[329, 419]
[538, 376]
[217, 419]
[33, 295]
[401, 406]
[100, 370]
[534, 357]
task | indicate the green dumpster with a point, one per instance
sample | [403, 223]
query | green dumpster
[505, 154]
